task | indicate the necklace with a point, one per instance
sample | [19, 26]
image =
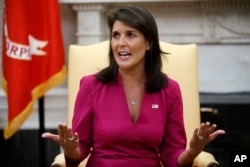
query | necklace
[132, 101]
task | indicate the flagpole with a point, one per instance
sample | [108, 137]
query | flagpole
[42, 145]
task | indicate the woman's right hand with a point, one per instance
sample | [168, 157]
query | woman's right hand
[68, 140]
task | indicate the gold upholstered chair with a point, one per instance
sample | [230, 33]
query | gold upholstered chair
[180, 64]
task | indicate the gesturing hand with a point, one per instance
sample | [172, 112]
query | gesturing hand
[68, 140]
[203, 135]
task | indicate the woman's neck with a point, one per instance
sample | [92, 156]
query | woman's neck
[132, 79]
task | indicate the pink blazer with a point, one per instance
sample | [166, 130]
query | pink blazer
[106, 130]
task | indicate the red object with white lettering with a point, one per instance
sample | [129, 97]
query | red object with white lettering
[33, 56]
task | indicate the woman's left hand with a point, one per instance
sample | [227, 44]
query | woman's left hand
[204, 135]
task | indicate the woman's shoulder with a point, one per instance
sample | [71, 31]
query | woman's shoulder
[172, 82]
[172, 89]
[172, 86]
[90, 79]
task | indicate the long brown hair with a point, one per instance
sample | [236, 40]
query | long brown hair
[143, 21]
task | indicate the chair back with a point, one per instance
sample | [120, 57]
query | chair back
[180, 64]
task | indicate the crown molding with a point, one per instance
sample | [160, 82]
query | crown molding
[189, 5]
[166, 5]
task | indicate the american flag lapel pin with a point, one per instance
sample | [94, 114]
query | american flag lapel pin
[155, 106]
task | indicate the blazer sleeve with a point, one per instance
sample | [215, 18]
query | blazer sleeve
[174, 140]
[83, 119]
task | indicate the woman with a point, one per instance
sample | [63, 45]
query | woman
[130, 113]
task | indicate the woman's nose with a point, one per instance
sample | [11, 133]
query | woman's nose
[122, 41]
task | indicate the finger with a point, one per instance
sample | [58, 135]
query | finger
[60, 131]
[196, 143]
[216, 134]
[76, 136]
[47, 135]
[69, 133]
[207, 125]
[206, 130]
[212, 128]
[50, 136]
[201, 130]
[195, 134]
[71, 136]
[65, 133]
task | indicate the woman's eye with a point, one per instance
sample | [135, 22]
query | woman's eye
[115, 35]
[131, 35]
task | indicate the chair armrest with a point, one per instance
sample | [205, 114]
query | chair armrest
[205, 159]
[59, 161]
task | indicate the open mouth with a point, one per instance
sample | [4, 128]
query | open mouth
[124, 55]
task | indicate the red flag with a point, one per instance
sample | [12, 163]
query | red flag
[33, 56]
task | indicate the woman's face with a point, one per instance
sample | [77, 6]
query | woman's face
[129, 46]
